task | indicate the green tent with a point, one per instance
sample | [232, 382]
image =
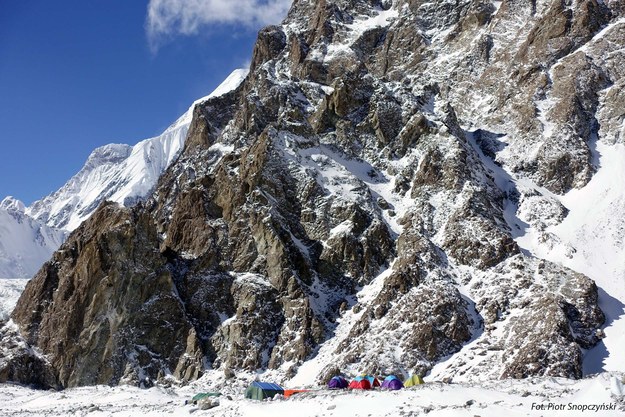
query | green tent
[198, 397]
[262, 390]
[413, 380]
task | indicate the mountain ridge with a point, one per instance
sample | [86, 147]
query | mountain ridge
[379, 155]
[115, 172]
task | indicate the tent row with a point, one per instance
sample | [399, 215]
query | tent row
[262, 390]
[391, 382]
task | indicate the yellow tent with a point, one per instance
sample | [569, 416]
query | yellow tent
[413, 380]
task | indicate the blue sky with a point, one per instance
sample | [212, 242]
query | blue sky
[77, 74]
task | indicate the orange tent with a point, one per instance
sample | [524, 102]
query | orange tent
[289, 392]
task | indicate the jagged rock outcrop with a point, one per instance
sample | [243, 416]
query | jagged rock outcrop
[21, 364]
[356, 192]
[108, 315]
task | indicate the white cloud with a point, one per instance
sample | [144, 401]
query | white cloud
[167, 18]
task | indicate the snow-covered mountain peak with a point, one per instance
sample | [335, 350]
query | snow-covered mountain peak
[25, 243]
[231, 82]
[117, 172]
[107, 154]
[120, 173]
[12, 204]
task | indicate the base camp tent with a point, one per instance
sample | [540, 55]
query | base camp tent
[337, 382]
[359, 383]
[202, 395]
[261, 390]
[372, 380]
[392, 382]
[364, 382]
[289, 392]
[413, 380]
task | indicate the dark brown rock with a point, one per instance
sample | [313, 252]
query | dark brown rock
[99, 298]
[270, 43]
[20, 363]
[340, 185]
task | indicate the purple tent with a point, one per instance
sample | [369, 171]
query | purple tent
[337, 382]
[392, 382]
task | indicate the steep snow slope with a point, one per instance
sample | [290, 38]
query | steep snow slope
[116, 172]
[25, 243]
[10, 290]
[582, 229]
[591, 240]
[120, 173]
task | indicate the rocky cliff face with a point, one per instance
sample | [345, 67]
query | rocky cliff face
[353, 205]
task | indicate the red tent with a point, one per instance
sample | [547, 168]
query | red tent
[373, 381]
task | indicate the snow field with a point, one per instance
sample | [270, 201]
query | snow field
[532, 397]
[10, 290]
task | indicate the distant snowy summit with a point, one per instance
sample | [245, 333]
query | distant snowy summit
[115, 172]
[25, 243]
[119, 173]
[12, 204]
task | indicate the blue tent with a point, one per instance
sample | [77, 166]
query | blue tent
[261, 390]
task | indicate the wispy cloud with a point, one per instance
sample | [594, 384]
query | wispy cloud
[167, 18]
